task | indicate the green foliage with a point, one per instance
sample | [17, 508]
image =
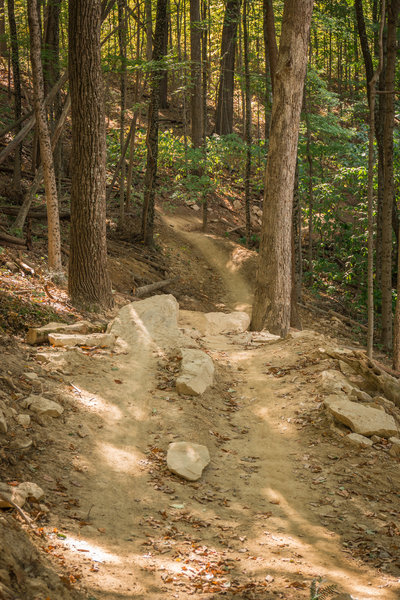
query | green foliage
[318, 592]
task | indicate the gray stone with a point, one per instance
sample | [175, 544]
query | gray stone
[187, 460]
[43, 406]
[197, 372]
[12, 493]
[360, 418]
[31, 490]
[395, 449]
[215, 323]
[23, 420]
[334, 382]
[147, 324]
[102, 340]
[360, 395]
[3, 423]
[359, 440]
[39, 335]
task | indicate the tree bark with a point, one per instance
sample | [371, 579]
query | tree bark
[17, 91]
[195, 59]
[53, 222]
[274, 282]
[247, 93]
[224, 116]
[393, 9]
[152, 126]
[89, 283]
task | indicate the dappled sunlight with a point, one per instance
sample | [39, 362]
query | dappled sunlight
[89, 550]
[122, 461]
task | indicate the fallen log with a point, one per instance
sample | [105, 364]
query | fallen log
[373, 373]
[34, 213]
[152, 287]
[11, 239]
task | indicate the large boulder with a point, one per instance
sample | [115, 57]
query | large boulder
[187, 460]
[360, 418]
[150, 323]
[197, 372]
[215, 323]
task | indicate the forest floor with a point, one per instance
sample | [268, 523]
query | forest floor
[285, 499]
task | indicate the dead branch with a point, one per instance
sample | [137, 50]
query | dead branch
[152, 287]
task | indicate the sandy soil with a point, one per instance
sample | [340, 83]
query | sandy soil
[284, 500]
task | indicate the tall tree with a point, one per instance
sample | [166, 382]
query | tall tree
[152, 125]
[247, 129]
[3, 37]
[387, 99]
[53, 222]
[224, 115]
[195, 58]
[274, 281]
[17, 91]
[89, 283]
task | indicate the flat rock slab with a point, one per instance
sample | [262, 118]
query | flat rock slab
[43, 406]
[148, 323]
[360, 418]
[40, 335]
[187, 460]
[359, 440]
[102, 340]
[215, 323]
[197, 372]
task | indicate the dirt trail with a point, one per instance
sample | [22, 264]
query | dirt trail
[140, 532]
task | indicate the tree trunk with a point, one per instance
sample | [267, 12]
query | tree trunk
[152, 126]
[149, 32]
[393, 9]
[17, 92]
[54, 243]
[224, 116]
[271, 48]
[247, 175]
[274, 275]
[123, 73]
[195, 60]
[89, 283]
[163, 85]
[3, 37]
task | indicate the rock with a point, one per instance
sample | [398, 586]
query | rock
[23, 420]
[224, 323]
[216, 322]
[395, 449]
[361, 419]
[359, 440]
[12, 493]
[384, 401]
[21, 444]
[237, 205]
[187, 460]
[31, 490]
[102, 340]
[376, 439]
[3, 423]
[39, 335]
[146, 324]
[30, 376]
[197, 372]
[346, 369]
[360, 395]
[43, 406]
[195, 207]
[334, 382]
